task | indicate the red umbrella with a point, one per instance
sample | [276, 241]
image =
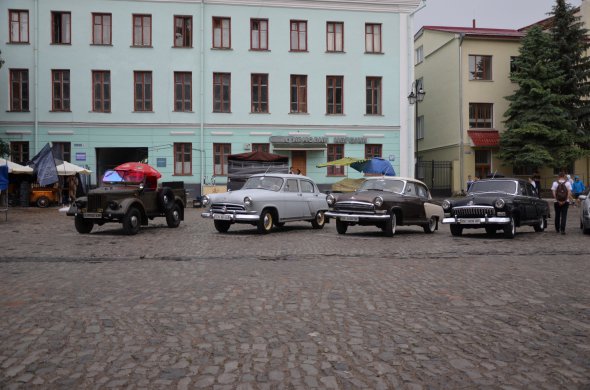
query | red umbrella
[142, 168]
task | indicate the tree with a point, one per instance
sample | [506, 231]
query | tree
[539, 128]
[571, 42]
[4, 149]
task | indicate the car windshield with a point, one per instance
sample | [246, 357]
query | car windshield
[505, 186]
[264, 183]
[116, 177]
[396, 186]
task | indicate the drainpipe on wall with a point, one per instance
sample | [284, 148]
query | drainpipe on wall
[461, 136]
[36, 84]
[202, 96]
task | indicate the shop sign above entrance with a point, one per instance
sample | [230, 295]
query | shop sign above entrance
[278, 139]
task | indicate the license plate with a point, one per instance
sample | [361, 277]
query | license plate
[92, 215]
[470, 221]
[223, 217]
[347, 218]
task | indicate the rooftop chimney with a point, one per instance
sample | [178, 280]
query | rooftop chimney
[473, 23]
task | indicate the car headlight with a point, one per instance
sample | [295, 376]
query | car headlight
[205, 201]
[499, 203]
[446, 205]
[330, 199]
[378, 201]
[112, 205]
[248, 201]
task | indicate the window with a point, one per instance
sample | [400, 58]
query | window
[101, 91]
[480, 115]
[513, 66]
[221, 92]
[183, 91]
[220, 154]
[183, 31]
[335, 37]
[483, 160]
[61, 27]
[61, 90]
[298, 35]
[298, 93]
[373, 106]
[306, 186]
[182, 159]
[19, 152]
[373, 150]
[19, 90]
[372, 38]
[142, 30]
[259, 96]
[261, 148]
[19, 26]
[221, 33]
[143, 91]
[334, 95]
[291, 185]
[420, 127]
[480, 67]
[62, 150]
[335, 152]
[102, 29]
[258, 34]
[419, 55]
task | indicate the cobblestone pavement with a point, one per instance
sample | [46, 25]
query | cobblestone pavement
[296, 309]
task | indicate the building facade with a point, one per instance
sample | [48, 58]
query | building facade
[184, 84]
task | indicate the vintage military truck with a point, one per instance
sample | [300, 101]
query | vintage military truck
[130, 197]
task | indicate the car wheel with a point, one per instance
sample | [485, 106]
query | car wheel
[319, 221]
[341, 226]
[222, 226]
[430, 226]
[539, 227]
[265, 222]
[510, 229]
[490, 230]
[173, 216]
[83, 225]
[585, 230]
[390, 226]
[132, 221]
[43, 202]
[456, 230]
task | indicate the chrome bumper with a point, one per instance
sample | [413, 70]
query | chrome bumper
[370, 217]
[478, 221]
[232, 217]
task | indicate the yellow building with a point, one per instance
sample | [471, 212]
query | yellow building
[465, 74]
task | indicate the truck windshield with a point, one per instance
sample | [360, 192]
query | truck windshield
[114, 177]
[264, 183]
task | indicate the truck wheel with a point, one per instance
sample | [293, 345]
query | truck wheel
[132, 221]
[264, 224]
[222, 226]
[456, 230]
[166, 199]
[341, 226]
[390, 225]
[83, 225]
[319, 221]
[43, 202]
[173, 216]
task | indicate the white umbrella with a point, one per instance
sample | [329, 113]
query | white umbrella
[16, 168]
[68, 169]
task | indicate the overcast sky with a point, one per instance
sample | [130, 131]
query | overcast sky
[511, 14]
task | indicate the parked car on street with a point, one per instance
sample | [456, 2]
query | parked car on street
[497, 204]
[585, 214]
[385, 202]
[129, 198]
[268, 200]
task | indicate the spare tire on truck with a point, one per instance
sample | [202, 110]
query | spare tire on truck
[166, 199]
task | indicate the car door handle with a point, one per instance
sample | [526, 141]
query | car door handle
[299, 194]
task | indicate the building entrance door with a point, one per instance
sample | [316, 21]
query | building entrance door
[299, 160]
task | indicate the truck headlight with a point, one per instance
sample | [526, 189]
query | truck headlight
[112, 205]
[248, 201]
[330, 199]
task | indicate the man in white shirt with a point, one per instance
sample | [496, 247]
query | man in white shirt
[561, 201]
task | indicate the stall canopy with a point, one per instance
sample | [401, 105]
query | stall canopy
[242, 166]
[340, 162]
[67, 169]
[16, 168]
[376, 165]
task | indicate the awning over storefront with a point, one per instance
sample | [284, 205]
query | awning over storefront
[484, 138]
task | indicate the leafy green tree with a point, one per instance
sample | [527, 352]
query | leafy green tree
[539, 128]
[4, 149]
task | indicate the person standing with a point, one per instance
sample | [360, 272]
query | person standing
[537, 179]
[469, 182]
[562, 192]
[577, 189]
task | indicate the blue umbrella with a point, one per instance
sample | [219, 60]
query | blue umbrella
[376, 165]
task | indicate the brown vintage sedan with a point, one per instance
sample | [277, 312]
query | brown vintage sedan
[385, 202]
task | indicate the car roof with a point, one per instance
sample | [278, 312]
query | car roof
[395, 178]
[283, 175]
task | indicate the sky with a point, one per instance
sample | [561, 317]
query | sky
[511, 14]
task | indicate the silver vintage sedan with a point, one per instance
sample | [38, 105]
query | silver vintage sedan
[268, 200]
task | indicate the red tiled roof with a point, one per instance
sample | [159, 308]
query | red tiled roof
[480, 32]
[484, 137]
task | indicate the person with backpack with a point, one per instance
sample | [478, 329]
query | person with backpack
[562, 193]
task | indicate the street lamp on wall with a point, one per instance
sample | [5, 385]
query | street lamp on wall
[416, 96]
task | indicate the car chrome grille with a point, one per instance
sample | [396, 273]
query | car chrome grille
[355, 207]
[473, 211]
[96, 202]
[227, 207]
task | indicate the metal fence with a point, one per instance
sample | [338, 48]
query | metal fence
[438, 175]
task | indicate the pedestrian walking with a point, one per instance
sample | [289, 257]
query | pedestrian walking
[562, 193]
[577, 189]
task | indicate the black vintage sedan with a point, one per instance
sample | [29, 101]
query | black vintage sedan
[385, 202]
[497, 204]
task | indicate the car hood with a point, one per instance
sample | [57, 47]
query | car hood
[365, 196]
[486, 199]
[239, 195]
